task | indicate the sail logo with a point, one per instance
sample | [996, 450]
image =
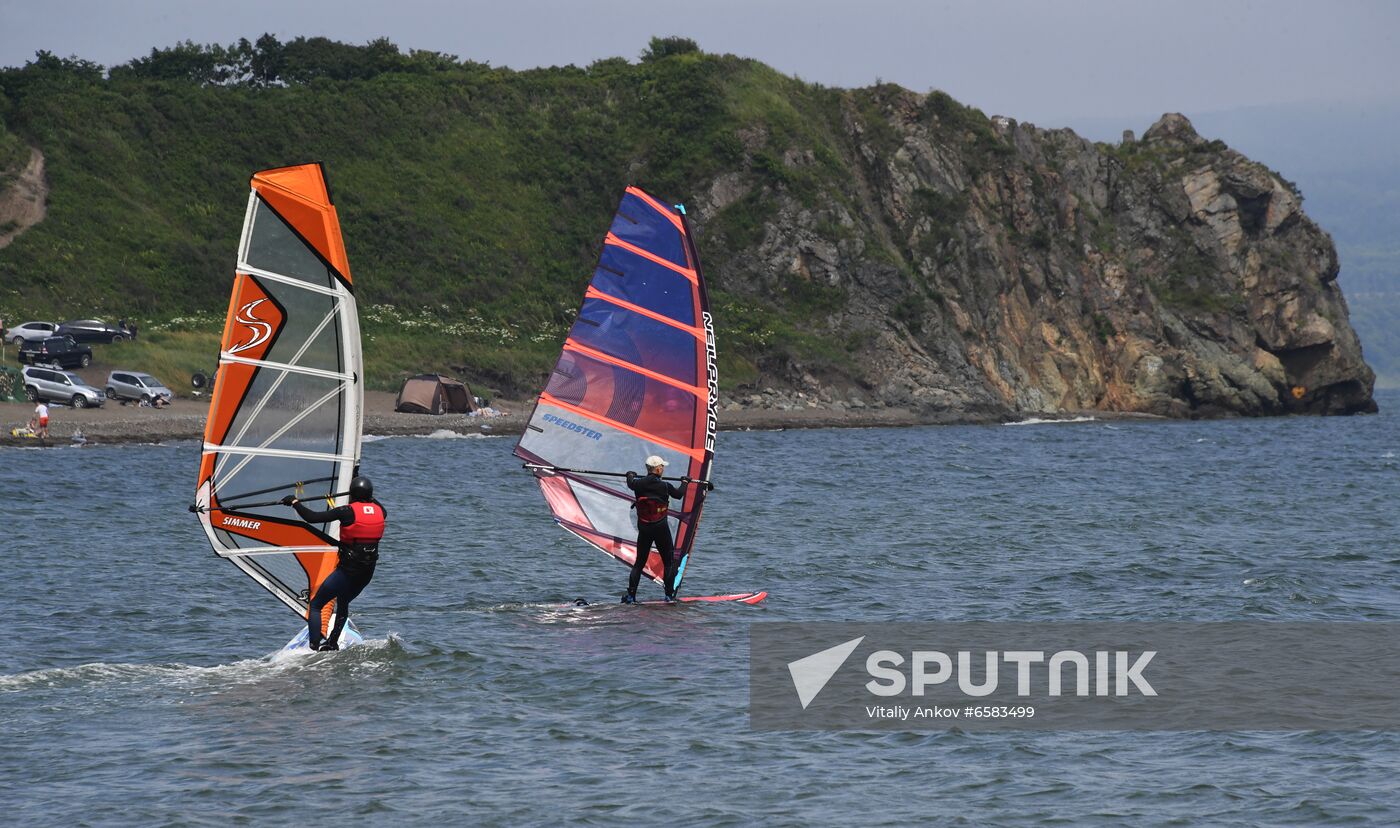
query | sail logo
[712, 408]
[242, 523]
[572, 426]
[259, 330]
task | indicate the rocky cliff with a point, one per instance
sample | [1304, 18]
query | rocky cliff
[983, 269]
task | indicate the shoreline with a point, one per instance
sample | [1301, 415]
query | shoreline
[115, 424]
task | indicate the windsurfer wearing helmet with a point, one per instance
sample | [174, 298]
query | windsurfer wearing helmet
[361, 527]
[653, 506]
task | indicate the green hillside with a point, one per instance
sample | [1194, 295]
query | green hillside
[473, 199]
[869, 246]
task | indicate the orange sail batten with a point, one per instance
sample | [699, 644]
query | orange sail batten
[299, 194]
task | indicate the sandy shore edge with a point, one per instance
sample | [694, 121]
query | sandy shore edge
[115, 423]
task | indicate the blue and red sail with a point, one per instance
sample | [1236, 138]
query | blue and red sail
[636, 377]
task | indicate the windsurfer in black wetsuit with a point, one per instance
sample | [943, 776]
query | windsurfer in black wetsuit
[653, 506]
[361, 527]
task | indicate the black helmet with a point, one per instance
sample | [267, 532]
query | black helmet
[361, 489]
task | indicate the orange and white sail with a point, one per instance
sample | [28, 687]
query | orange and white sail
[286, 409]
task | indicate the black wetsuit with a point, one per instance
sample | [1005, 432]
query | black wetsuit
[352, 573]
[657, 532]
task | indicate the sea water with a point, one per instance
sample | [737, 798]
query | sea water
[139, 682]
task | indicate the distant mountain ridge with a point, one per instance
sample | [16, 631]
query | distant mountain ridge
[870, 246]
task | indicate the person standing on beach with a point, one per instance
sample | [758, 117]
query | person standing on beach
[361, 528]
[39, 423]
[653, 507]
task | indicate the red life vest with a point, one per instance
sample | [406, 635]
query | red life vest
[651, 510]
[368, 526]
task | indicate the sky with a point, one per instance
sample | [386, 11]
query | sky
[1051, 63]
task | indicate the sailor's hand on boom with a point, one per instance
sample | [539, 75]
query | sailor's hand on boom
[289, 500]
[709, 487]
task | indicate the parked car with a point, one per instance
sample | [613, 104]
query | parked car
[130, 385]
[20, 334]
[59, 386]
[91, 330]
[56, 350]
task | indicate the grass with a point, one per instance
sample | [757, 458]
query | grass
[945, 211]
[1201, 299]
[742, 224]
[175, 356]
[1104, 235]
[170, 356]
[1103, 328]
[13, 156]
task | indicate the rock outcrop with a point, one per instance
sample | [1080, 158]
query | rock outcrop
[976, 268]
[24, 199]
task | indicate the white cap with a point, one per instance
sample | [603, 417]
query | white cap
[654, 461]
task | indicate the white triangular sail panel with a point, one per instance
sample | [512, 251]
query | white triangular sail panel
[286, 409]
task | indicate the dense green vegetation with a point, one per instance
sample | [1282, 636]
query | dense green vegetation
[473, 200]
[13, 154]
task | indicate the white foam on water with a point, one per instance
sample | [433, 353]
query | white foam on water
[449, 434]
[243, 671]
[368, 645]
[1051, 421]
[439, 434]
[102, 673]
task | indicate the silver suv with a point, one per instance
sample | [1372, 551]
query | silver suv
[130, 385]
[54, 385]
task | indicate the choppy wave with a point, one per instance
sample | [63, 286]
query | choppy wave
[439, 434]
[449, 434]
[1052, 421]
[243, 671]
